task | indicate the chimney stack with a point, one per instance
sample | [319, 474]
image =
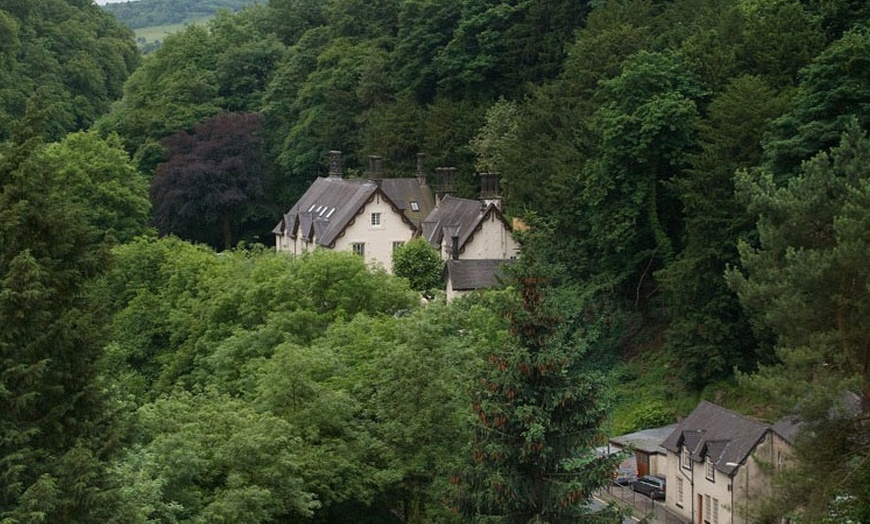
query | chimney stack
[335, 168]
[376, 165]
[421, 170]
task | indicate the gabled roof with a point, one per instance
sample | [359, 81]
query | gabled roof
[467, 275]
[411, 196]
[331, 204]
[463, 213]
[724, 436]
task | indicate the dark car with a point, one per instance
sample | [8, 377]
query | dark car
[653, 486]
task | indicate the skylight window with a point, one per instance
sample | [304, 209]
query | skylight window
[331, 211]
[415, 206]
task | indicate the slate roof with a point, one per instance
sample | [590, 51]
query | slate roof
[467, 275]
[647, 440]
[723, 435]
[463, 213]
[406, 191]
[331, 204]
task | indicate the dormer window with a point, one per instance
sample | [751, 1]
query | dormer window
[686, 459]
[708, 468]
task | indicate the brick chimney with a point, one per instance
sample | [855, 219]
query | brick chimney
[335, 168]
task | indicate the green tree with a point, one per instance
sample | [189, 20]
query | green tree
[806, 283]
[99, 175]
[539, 409]
[211, 458]
[708, 333]
[834, 89]
[56, 432]
[417, 261]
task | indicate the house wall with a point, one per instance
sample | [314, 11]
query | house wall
[378, 240]
[734, 496]
[492, 241]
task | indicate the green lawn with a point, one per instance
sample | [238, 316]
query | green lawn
[159, 32]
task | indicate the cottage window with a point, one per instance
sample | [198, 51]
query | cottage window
[397, 244]
[359, 248]
[707, 509]
[715, 511]
[686, 459]
[680, 491]
[711, 473]
[376, 219]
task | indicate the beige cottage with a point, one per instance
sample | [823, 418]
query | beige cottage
[719, 463]
[369, 217]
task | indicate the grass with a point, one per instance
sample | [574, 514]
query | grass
[157, 33]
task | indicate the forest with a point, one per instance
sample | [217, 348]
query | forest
[695, 180]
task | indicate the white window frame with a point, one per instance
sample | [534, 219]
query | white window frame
[397, 244]
[685, 458]
[709, 472]
[707, 509]
[376, 219]
[715, 511]
[359, 248]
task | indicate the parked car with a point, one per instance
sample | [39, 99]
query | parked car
[653, 486]
[624, 479]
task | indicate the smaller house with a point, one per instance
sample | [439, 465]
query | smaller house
[719, 462]
[648, 457]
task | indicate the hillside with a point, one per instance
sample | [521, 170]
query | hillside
[693, 180]
[151, 13]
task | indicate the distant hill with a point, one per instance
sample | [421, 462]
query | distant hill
[151, 13]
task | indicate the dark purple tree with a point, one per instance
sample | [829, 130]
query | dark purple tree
[213, 181]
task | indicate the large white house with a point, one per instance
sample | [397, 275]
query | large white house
[373, 216]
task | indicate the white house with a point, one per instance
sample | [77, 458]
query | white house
[373, 216]
[719, 463]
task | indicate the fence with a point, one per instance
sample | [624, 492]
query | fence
[651, 511]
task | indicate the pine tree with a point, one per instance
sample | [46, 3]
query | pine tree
[538, 414]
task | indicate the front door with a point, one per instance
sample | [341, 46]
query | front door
[700, 509]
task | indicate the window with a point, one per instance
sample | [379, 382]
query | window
[359, 248]
[397, 244]
[708, 467]
[715, 511]
[686, 460]
[415, 206]
[680, 491]
[376, 219]
[707, 510]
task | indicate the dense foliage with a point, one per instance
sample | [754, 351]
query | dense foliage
[693, 172]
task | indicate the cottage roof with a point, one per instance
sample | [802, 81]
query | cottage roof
[411, 196]
[724, 436]
[331, 204]
[466, 275]
[464, 214]
[647, 440]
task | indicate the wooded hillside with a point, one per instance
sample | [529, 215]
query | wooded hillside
[694, 175]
